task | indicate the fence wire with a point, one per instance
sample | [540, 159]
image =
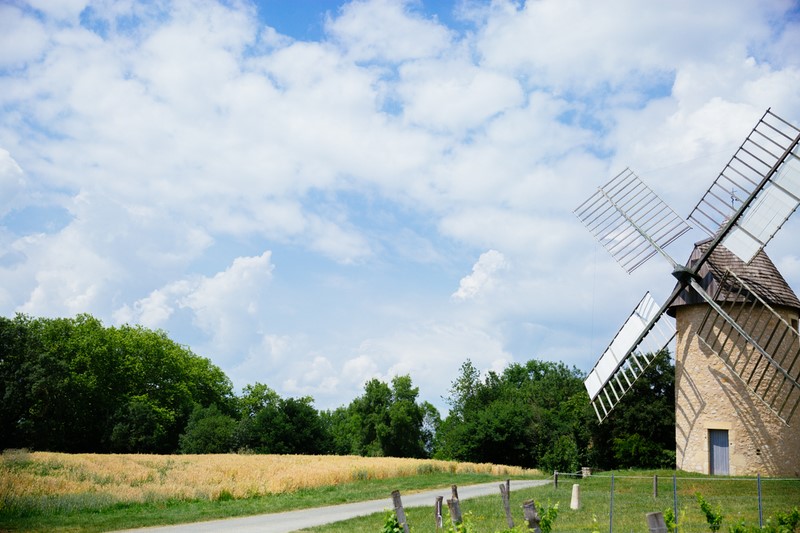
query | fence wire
[626, 499]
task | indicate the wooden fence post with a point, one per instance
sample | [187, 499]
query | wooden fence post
[655, 486]
[455, 512]
[531, 516]
[555, 479]
[438, 511]
[505, 492]
[399, 511]
[656, 523]
[454, 492]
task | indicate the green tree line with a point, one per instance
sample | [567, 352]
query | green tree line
[74, 385]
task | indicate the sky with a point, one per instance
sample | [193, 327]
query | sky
[313, 194]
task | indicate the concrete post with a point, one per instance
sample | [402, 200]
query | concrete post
[576, 497]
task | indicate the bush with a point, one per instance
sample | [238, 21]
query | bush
[208, 431]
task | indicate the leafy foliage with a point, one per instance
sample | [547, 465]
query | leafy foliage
[384, 421]
[208, 431]
[548, 515]
[788, 522]
[530, 415]
[74, 385]
[391, 524]
[713, 516]
[640, 431]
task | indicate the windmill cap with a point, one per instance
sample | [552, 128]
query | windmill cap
[760, 274]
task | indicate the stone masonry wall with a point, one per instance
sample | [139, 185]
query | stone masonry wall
[708, 395]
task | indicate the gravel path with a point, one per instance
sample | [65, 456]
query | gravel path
[296, 520]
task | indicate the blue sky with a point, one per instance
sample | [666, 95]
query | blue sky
[315, 193]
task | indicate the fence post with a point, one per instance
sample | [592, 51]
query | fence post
[455, 512]
[675, 501]
[655, 487]
[760, 508]
[399, 511]
[575, 503]
[438, 513]
[656, 523]
[531, 516]
[611, 508]
[505, 490]
[454, 492]
[555, 479]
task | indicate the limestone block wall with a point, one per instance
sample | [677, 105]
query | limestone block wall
[709, 396]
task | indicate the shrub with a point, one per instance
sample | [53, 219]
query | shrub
[713, 516]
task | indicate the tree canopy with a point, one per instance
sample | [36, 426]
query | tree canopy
[74, 385]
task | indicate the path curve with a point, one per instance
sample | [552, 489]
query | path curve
[295, 520]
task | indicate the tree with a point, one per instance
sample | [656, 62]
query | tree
[142, 426]
[254, 398]
[271, 424]
[208, 431]
[343, 431]
[640, 431]
[371, 417]
[384, 421]
[524, 416]
[73, 385]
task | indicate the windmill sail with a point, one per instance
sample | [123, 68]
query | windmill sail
[646, 333]
[630, 221]
[760, 186]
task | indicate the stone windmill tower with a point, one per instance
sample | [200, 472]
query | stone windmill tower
[731, 412]
[738, 347]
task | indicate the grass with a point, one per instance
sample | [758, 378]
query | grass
[633, 498]
[85, 492]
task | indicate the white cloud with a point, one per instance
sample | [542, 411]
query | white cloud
[12, 181]
[60, 9]
[185, 138]
[578, 44]
[224, 306]
[318, 378]
[455, 96]
[385, 30]
[22, 37]
[431, 353]
[482, 277]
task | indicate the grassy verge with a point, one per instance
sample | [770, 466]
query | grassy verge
[44, 491]
[633, 498]
[83, 515]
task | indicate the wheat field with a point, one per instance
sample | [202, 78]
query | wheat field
[146, 478]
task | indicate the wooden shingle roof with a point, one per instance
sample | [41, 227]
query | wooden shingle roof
[760, 274]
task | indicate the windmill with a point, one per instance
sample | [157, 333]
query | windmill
[754, 340]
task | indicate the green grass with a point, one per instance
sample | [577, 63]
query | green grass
[633, 498]
[93, 512]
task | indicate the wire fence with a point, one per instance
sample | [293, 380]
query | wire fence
[620, 501]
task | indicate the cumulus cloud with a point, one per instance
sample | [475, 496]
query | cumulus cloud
[482, 277]
[387, 30]
[225, 306]
[182, 139]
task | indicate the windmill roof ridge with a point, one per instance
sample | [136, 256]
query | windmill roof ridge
[760, 274]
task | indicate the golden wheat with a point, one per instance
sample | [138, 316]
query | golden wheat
[141, 478]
